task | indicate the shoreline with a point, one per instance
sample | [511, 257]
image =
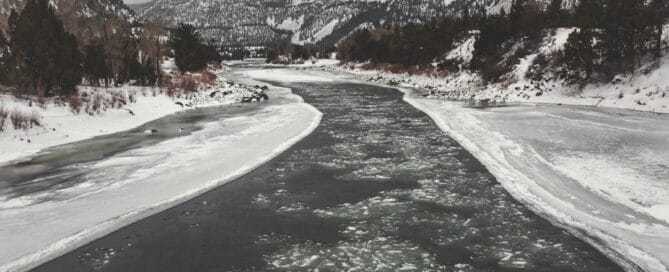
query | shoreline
[436, 83]
[627, 255]
[631, 235]
[61, 126]
[293, 132]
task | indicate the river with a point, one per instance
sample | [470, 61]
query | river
[377, 187]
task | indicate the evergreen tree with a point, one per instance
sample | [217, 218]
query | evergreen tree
[5, 59]
[657, 18]
[623, 38]
[555, 13]
[466, 17]
[588, 13]
[94, 66]
[47, 60]
[579, 56]
[516, 16]
[189, 51]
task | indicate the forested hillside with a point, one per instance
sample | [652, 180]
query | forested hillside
[256, 22]
[597, 41]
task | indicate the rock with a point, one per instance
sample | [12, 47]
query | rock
[180, 104]
[150, 131]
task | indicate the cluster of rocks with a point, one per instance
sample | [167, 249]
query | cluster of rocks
[258, 95]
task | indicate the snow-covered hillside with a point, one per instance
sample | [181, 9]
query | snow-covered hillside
[645, 90]
[76, 10]
[260, 22]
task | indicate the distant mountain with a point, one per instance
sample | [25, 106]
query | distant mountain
[83, 16]
[303, 21]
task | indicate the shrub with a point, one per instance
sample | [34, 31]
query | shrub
[132, 97]
[75, 103]
[95, 104]
[4, 113]
[22, 120]
[188, 84]
[208, 78]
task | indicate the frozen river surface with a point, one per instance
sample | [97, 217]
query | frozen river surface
[378, 186]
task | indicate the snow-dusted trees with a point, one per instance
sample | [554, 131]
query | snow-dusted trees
[579, 56]
[410, 44]
[40, 57]
[614, 35]
[45, 58]
[190, 52]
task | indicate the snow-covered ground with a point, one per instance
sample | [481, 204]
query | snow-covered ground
[646, 90]
[61, 125]
[150, 179]
[602, 173]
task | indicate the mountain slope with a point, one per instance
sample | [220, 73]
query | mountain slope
[80, 16]
[303, 21]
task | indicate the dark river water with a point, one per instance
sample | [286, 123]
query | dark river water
[377, 187]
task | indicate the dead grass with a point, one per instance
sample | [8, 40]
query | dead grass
[75, 103]
[4, 113]
[22, 120]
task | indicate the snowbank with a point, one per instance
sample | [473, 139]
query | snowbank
[60, 125]
[602, 174]
[153, 178]
[644, 91]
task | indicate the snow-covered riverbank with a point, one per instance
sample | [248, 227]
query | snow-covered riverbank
[133, 106]
[150, 179]
[601, 173]
[647, 89]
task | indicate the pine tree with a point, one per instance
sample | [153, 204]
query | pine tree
[5, 59]
[466, 16]
[579, 56]
[47, 60]
[555, 13]
[623, 38]
[189, 51]
[94, 66]
[516, 16]
[657, 18]
[588, 13]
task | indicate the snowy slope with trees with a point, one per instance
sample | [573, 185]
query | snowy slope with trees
[252, 22]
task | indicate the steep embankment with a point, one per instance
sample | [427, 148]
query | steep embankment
[645, 90]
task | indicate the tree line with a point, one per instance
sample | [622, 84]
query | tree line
[611, 37]
[40, 57]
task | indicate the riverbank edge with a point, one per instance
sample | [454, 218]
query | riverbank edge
[627, 256]
[482, 156]
[104, 228]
